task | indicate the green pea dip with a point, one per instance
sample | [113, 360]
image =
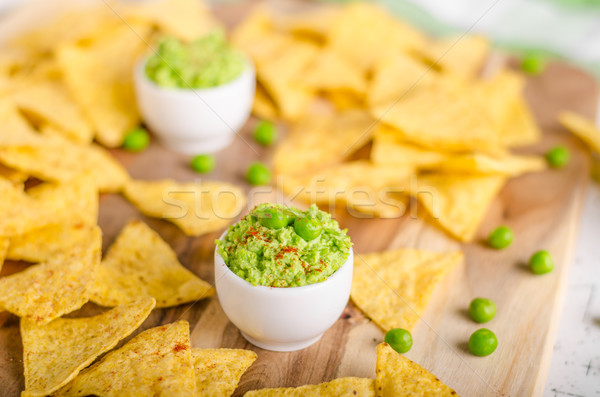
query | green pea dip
[206, 62]
[280, 257]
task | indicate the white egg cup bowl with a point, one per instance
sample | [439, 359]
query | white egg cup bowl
[199, 120]
[283, 319]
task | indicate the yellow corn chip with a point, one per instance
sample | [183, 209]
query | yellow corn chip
[54, 353]
[157, 362]
[389, 148]
[363, 186]
[345, 100]
[140, 263]
[364, 32]
[393, 288]
[305, 149]
[218, 371]
[263, 105]
[519, 128]
[57, 159]
[14, 176]
[41, 244]
[3, 250]
[332, 72]
[15, 129]
[103, 87]
[441, 113]
[314, 23]
[51, 101]
[463, 56]
[197, 208]
[341, 387]
[398, 376]
[510, 165]
[583, 128]
[17, 209]
[458, 202]
[254, 29]
[58, 286]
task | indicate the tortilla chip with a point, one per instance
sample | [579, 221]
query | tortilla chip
[58, 286]
[3, 250]
[583, 128]
[263, 105]
[102, 87]
[257, 27]
[14, 176]
[41, 244]
[157, 362]
[16, 208]
[15, 128]
[441, 113]
[463, 56]
[398, 376]
[141, 264]
[345, 100]
[520, 128]
[57, 159]
[349, 387]
[393, 288]
[332, 72]
[510, 165]
[322, 140]
[313, 23]
[54, 353]
[364, 32]
[458, 202]
[197, 208]
[51, 101]
[389, 148]
[218, 371]
[365, 187]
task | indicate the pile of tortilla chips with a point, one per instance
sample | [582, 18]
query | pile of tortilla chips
[344, 76]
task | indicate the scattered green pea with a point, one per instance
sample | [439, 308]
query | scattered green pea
[399, 339]
[308, 229]
[136, 140]
[265, 133]
[203, 163]
[501, 237]
[558, 157]
[541, 262]
[482, 310]
[483, 342]
[258, 174]
[533, 63]
[273, 218]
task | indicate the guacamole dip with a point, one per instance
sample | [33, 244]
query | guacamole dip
[207, 62]
[277, 246]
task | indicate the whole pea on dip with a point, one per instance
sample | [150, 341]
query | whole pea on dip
[206, 62]
[278, 246]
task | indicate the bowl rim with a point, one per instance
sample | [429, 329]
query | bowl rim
[349, 262]
[139, 71]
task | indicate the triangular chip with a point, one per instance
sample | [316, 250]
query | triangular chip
[15, 129]
[341, 387]
[103, 87]
[57, 159]
[393, 288]
[140, 263]
[58, 286]
[218, 371]
[583, 128]
[462, 56]
[458, 202]
[157, 362]
[520, 128]
[397, 376]
[305, 149]
[17, 210]
[197, 208]
[54, 353]
[331, 72]
[510, 165]
[390, 148]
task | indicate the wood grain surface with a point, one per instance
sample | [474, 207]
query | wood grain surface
[543, 209]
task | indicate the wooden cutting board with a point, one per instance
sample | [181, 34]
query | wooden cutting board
[543, 209]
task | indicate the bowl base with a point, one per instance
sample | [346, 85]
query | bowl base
[282, 346]
[201, 146]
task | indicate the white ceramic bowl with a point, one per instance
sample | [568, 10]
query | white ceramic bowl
[283, 319]
[195, 121]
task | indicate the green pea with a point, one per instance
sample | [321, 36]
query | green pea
[501, 237]
[541, 262]
[558, 157]
[265, 133]
[482, 310]
[399, 339]
[308, 229]
[258, 174]
[533, 63]
[203, 163]
[136, 140]
[273, 218]
[483, 342]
